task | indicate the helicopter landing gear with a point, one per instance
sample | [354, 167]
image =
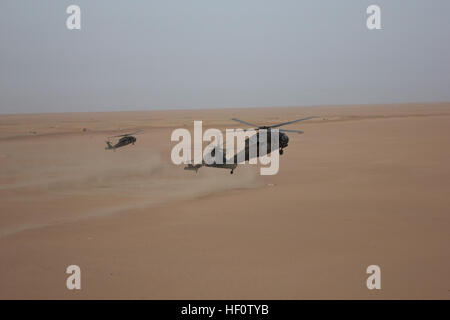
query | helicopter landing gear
[281, 151]
[231, 172]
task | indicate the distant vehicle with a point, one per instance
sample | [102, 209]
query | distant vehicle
[282, 143]
[125, 139]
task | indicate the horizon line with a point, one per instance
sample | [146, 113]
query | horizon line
[231, 107]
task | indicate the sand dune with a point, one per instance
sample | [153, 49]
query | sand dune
[363, 185]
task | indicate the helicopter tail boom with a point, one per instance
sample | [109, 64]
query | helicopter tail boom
[192, 167]
[109, 145]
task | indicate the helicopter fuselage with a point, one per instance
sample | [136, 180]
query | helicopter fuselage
[249, 150]
[122, 142]
[283, 141]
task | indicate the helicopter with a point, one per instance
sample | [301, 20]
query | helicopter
[125, 139]
[282, 143]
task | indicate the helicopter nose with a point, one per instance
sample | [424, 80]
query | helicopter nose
[284, 140]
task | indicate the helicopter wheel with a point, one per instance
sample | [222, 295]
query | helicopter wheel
[231, 172]
[281, 151]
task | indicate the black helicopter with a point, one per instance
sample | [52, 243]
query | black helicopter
[125, 139]
[282, 143]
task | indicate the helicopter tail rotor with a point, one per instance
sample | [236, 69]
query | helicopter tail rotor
[109, 145]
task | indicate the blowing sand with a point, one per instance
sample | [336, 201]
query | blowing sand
[363, 185]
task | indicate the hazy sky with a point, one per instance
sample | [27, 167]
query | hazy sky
[132, 55]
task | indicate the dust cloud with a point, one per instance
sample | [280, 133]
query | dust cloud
[99, 182]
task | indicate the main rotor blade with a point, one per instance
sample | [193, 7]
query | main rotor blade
[134, 132]
[295, 131]
[280, 130]
[248, 129]
[127, 134]
[289, 122]
[245, 122]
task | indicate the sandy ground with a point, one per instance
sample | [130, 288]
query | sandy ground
[363, 185]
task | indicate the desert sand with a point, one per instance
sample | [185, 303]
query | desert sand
[363, 185]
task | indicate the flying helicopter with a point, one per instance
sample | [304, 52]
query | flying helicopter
[125, 139]
[282, 143]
